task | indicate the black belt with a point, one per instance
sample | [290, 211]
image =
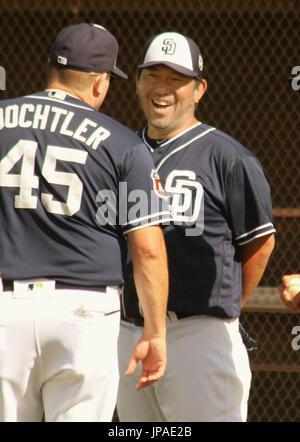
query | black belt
[8, 286]
[139, 322]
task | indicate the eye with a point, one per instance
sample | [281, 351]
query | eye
[177, 79]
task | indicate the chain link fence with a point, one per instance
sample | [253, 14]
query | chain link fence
[249, 50]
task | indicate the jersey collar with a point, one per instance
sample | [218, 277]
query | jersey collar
[160, 143]
[59, 93]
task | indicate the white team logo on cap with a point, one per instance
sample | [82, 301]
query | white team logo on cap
[169, 46]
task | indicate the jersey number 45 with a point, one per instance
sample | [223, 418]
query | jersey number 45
[25, 150]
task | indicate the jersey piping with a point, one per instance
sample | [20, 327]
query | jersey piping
[183, 146]
[250, 236]
[169, 140]
[160, 218]
[60, 102]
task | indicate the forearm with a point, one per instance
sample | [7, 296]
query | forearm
[151, 281]
[152, 292]
[255, 257]
[150, 271]
[252, 272]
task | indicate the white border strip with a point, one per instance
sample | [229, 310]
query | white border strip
[264, 233]
[150, 216]
[254, 230]
[184, 145]
[59, 101]
[153, 223]
[169, 140]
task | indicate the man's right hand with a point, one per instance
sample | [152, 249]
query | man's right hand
[153, 355]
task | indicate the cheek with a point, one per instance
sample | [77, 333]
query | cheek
[186, 101]
[143, 103]
[142, 96]
[140, 92]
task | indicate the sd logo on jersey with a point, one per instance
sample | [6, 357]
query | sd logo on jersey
[157, 186]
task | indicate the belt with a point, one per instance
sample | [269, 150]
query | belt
[173, 316]
[8, 286]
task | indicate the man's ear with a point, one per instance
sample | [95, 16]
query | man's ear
[98, 82]
[200, 90]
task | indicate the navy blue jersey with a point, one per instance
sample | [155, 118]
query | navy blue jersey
[220, 200]
[68, 179]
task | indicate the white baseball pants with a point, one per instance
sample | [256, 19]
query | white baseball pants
[58, 353]
[207, 376]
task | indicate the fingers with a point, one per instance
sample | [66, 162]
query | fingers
[131, 366]
[286, 298]
[284, 293]
[143, 382]
[296, 303]
[152, 354]
[149, 378]
[287, 279]
[290, 301]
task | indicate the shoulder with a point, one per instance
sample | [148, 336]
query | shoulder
[228, 153]
[119, 131]
[228, 145]
[11, 101]
[123, 144]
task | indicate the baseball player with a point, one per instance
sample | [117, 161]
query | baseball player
[218, 246]
[65, 171]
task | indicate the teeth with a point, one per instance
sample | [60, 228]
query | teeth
[161, 103]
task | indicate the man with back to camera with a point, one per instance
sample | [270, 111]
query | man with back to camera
[62, 254]
[217, 249]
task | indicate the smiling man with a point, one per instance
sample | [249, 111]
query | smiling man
[168, 113]
[218, 246]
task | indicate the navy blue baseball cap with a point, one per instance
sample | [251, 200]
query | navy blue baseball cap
[86, 47]
[175, 51]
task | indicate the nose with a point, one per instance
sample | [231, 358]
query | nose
[162, 85]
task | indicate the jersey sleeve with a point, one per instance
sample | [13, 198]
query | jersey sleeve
[142, 201]
[249, 201]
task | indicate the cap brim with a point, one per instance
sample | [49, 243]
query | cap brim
[119, 73]
[176, 67]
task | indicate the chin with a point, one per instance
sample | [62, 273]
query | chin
[159, 124]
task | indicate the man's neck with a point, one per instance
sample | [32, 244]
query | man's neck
[163, 134]
[80, 96]
[153, 142]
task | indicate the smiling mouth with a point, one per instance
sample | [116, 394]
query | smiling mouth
[161, 104]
